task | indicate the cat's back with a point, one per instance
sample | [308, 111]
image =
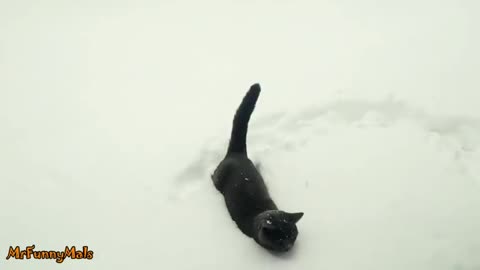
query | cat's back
[237, 174]
[244, 190]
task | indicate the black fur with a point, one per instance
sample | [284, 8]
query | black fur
[246, 195]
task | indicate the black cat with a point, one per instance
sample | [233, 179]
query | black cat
[246, 195]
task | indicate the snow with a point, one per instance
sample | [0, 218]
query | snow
[113, 117]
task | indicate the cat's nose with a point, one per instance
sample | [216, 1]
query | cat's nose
[288, 246]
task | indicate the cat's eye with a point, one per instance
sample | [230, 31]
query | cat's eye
[273, 233]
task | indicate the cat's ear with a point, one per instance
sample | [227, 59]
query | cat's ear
[295, 217]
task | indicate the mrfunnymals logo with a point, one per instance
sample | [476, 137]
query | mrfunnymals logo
[59, 256]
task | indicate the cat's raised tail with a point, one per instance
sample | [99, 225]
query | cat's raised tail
[238, 138]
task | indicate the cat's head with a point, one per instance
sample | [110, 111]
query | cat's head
[276, 230]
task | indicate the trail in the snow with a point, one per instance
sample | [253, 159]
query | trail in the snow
[289, 131]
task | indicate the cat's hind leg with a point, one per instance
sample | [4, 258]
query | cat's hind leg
[258, 165]
[220, 174]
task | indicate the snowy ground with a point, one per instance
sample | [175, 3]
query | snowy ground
[113, 116]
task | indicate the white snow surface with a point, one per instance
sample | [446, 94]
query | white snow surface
[113, 114]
